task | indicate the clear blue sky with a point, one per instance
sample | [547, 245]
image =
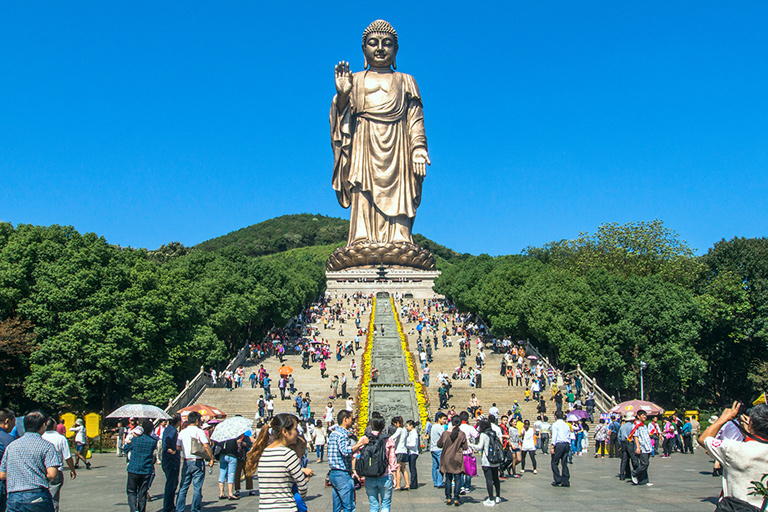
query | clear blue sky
[149, 122]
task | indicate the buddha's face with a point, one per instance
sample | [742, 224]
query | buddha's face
[380, 50]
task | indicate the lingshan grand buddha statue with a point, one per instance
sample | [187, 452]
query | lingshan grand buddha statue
[380, 156]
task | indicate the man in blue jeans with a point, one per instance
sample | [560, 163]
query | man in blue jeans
[171, 462]
[28, 465]
[193, 472]
[340, 450]
[435, 432]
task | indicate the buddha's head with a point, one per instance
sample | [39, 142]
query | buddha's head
[380, 45]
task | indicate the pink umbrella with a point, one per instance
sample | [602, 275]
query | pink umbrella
[632, 406]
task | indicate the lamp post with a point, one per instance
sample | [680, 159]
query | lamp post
[643, 366]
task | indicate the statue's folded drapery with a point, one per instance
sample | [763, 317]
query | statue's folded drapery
[372, 150]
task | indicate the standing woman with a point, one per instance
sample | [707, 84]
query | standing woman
[490, 471]
[528, 448]
[601, 436]
[329, 414]
[277, 464]
[453, 442]
[401, 452]
[669, 438]
[319, 440]
[227, 468]
[412, 445]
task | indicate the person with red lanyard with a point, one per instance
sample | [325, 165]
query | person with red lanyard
[742, 462]
[641, 455]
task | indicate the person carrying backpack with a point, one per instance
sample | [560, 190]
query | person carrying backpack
[489, 445]
[378, 463]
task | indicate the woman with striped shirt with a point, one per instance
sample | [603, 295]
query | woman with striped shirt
[278, 466]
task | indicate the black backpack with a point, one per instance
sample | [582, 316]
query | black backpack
[495, 448]
[373, 458]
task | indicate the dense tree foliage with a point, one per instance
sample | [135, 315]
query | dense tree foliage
[87, 325]
[96, 324]
[633, 293]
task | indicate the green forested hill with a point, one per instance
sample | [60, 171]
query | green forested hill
[282, 234]
[305, 230]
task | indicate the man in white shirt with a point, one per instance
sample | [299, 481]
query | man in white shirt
[742, 461]
[434, 436]
[494, 411]
[62, 446]
[561, 445]
[193, 472]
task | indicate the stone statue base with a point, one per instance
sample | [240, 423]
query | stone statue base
[373, 254]
[409, 283]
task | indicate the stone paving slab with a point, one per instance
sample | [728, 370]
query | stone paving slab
[681, 483]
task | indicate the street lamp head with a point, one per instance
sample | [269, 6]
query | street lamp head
[643, 366]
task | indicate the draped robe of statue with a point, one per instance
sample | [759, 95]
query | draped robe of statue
[373, 142]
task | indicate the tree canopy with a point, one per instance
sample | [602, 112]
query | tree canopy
[632, 293]
[96, 324]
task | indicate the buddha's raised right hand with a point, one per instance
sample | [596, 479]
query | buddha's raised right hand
[343, 79]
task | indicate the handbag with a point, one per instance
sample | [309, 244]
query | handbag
[198, 448]
[470, 465]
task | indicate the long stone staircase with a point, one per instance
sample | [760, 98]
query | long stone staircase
[243, 401]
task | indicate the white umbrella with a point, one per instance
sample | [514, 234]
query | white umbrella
[139, 411]
[231, 428]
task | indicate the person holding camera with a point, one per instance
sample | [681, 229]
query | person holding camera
[743, 461]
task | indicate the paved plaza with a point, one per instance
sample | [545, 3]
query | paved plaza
[681, 483]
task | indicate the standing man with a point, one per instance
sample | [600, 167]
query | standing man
[642, 452]
[343, 385]
[140, 466]
[193, 471]
[434, 436]
[545, 430]
[266, 383]
[171, 461]
[625, 446]
[62, 447]
[695, 428]
[561, 445]
[613, 438]
[28, 465]
[340, 450]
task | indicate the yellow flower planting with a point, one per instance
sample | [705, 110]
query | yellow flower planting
[421, 396]
[363, 391]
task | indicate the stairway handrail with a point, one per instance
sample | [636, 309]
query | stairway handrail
[190, 393]
[603, 400]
